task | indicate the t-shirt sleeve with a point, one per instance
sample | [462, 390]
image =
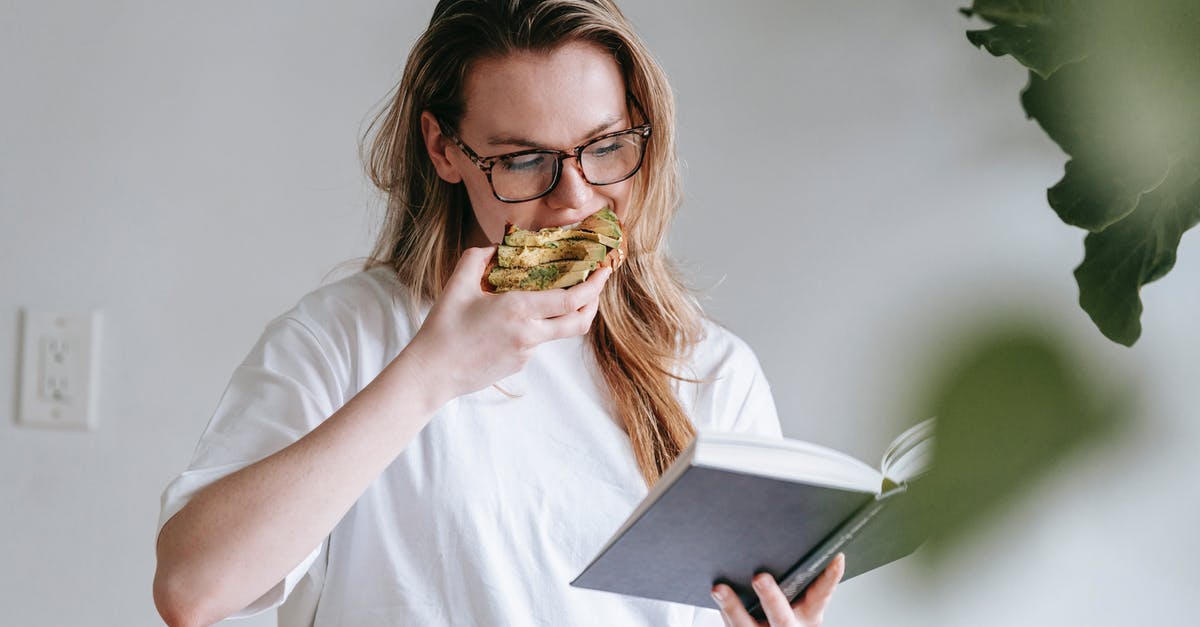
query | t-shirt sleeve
[756, 412]
[284, 388]
[705, 617]
[731, 392]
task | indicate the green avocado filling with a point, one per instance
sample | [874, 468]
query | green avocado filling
[540, 276]
[607, 215]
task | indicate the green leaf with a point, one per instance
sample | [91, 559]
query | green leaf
[1043, 49]
[1010, 405]
[1136, 251]
[1013, 12]
[1093, 196]
[1116, 85]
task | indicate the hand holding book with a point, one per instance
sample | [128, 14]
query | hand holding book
[809, 609]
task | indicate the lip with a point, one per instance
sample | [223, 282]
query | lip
[564, 225]
[569, 220]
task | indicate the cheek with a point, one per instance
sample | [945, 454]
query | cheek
[488, 215]
[485, 206]
[618, 195]
[491, 214]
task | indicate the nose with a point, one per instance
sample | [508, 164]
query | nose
[573, 191]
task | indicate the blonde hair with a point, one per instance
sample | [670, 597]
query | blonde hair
[647, 320]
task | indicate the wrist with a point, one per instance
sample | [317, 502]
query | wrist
[422, 376]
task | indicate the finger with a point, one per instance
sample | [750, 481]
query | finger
[591, 303]
[553, 303]
[824, 585]
[471, 266]
[774, 603]
[732, 610]
[811, 607]
[571, 324]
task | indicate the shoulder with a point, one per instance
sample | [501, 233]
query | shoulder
[366, 303]
[374, 289]
[719, 352]
[726, 389]
[353, 324]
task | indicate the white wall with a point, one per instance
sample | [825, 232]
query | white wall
[190, 169]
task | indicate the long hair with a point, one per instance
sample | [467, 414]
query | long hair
[647, 321]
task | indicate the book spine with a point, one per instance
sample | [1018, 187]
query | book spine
[795, 581]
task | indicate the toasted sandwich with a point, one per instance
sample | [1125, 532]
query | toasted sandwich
[556, 257]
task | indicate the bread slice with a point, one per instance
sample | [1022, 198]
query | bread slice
[504, 279]
[548, 237]
[543, 277]
[614, 258]
[603, 222]
[567, 249]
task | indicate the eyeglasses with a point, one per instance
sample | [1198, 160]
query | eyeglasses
[529, 174]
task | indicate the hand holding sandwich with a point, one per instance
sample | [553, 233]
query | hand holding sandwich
[473, 338]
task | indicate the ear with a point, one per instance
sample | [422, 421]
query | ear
[439, 147]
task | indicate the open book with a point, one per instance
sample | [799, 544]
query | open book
[733, 505]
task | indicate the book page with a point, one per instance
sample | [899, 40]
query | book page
[910, 454]
[787, 459]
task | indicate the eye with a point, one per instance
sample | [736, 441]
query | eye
[523, 163]
[607, 148]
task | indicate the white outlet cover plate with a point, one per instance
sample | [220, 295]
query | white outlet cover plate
[44, 335]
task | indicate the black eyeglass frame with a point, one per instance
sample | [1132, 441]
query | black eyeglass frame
[485, 164]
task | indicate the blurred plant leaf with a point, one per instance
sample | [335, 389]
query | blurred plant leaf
[1014, 12]
[1116, 85]
[1137, 250]
[1010, 406]
[1037, 47]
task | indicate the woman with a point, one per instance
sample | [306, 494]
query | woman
[456, 456]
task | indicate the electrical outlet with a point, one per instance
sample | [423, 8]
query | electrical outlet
[54, 368]
[59, 355]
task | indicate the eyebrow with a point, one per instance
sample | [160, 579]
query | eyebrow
[516, 140]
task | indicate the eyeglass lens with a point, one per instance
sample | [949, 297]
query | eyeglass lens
[605, 160]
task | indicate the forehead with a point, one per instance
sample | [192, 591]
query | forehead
[554, 98]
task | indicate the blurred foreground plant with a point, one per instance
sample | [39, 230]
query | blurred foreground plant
[1116, 84]
[1011, 405]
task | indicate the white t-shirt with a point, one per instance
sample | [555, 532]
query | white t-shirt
[496, 505]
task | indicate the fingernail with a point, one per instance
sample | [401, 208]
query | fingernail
[760, 582]
[718, 595]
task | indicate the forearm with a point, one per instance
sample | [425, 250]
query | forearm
[241, 535]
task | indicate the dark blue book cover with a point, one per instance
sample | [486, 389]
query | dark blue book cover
[707, 524]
